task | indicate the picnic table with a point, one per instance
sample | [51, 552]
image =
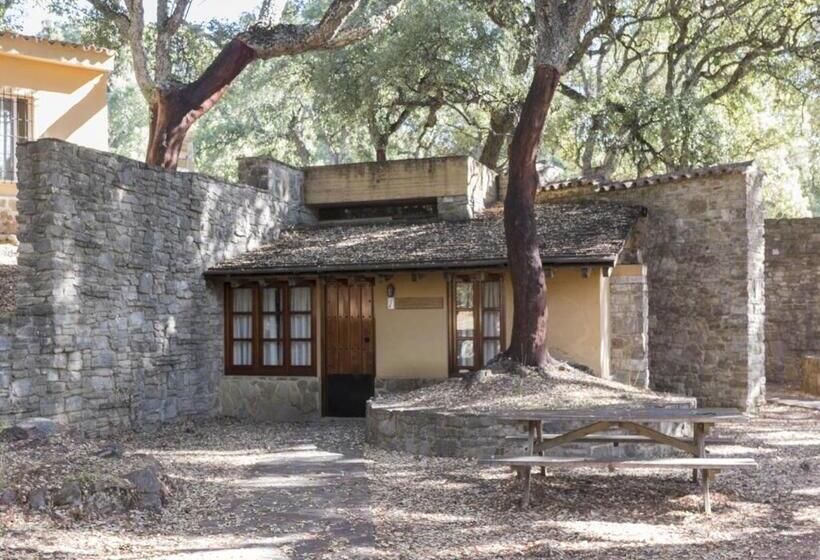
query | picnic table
[597, 427]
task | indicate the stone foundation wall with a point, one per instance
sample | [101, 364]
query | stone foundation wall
[391, 385]
[703, 247]
[5, 361]
[629, 326]
[446, 434]
[276, 399]
[115, 325]
[792, 296]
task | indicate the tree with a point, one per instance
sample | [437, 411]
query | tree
[174, 105]
[558, 26]
[665, 87]
[9, 16]
[434, 58]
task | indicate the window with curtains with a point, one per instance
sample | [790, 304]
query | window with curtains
[270, 330]
[477, 322]
[15, 126]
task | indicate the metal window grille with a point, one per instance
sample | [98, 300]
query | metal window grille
[15, 127]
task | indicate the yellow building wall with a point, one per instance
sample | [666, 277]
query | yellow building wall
[70, 100]
[577, 317]
[391, 180]
[411, 343]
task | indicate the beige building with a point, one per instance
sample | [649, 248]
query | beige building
[403, 281]
[48, 89]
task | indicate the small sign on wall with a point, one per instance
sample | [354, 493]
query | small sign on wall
[419, 303]
[391, 303]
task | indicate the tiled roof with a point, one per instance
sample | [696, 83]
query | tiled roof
[67, 44]
[588, 232]
[608, 185]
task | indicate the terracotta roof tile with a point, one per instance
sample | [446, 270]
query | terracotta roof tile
[67, 44]
[585, 232]
[606, 185]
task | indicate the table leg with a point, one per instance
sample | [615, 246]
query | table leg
[707, 498]
[700, 444]
[525, 494]
[531, 429]
[539, 434]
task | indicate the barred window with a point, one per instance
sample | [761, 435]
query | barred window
[15, 126]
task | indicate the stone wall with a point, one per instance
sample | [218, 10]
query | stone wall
[430, 432]
[272, 399]
[115, 325]
[8, 218]
[703, 248]
[792, 296]
[284, 182]
[629, 326]
[5, 362]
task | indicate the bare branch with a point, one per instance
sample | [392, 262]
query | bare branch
[329, 33]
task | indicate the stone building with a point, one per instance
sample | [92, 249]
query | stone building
[145, 295]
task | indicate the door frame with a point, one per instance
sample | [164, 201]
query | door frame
[323, 311]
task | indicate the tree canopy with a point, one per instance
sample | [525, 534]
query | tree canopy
[653, 86]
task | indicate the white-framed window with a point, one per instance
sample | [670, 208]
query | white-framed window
[15, 126]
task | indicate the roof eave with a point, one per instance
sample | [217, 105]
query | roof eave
[560, 260]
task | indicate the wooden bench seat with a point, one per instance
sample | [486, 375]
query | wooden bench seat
[619, 438]
[708, 466]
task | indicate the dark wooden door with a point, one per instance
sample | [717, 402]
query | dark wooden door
[350, 348]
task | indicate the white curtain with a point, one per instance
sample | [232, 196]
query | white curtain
[491, 296]
[242, 300]
[491, 350]
[242, 326]
[270, 326]
[300, 353]
[241, 353]
[491, 324]
[272, 300]
[300, 298]
[272, 354]
[300, 326]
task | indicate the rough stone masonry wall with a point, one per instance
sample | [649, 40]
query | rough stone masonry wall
[115, 325]
[629, 326]
[792, 296]
[704, 252]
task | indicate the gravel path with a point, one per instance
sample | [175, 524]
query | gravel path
[240, 492]
[288, 491]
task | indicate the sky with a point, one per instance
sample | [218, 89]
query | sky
[201, 10]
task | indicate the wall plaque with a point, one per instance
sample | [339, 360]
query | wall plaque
[419, 303]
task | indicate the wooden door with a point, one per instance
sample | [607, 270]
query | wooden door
[349, 348]
[349, 337]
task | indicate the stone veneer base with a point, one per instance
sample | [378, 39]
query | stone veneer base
[441, 433]
[272, 399]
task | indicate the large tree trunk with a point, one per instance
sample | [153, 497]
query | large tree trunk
[501, 124]
[176, 107]
[528, 344]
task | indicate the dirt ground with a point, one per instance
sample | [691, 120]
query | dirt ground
[242, 491]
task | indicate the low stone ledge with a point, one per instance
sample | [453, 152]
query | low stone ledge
[443, 433]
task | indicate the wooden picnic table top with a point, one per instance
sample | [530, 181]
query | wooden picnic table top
[640, 414]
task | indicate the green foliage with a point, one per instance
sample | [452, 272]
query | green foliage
[666, 85]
